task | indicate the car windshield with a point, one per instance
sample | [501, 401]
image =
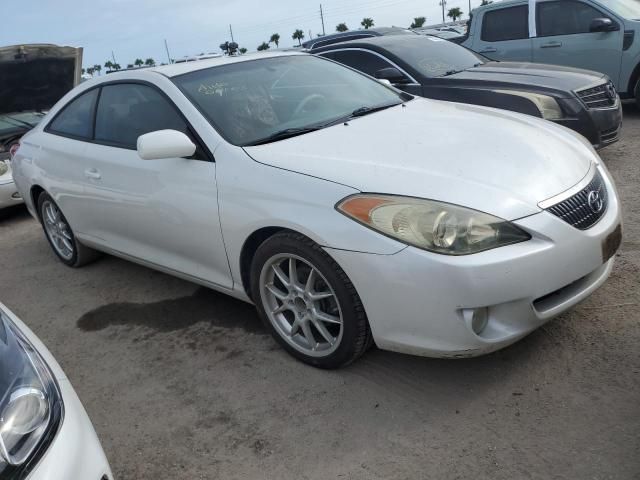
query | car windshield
[252, 102]
[629, 9]
[435, 57]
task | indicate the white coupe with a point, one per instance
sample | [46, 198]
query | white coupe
[330, 200]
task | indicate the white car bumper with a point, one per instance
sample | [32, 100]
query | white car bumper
[420, 303]
[9, 195]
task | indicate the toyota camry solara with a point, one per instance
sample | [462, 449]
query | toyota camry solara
[348, 212]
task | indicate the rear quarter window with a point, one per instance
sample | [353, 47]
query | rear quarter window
[510, 23]
[76, 118]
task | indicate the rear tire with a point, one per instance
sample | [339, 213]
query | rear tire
[60, 236]
[637, 93]
[318, 317]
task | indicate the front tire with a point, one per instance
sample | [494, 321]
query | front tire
[60, 235]
[307, 302]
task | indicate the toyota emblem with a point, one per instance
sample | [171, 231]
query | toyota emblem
[595, 201]
[611, 91]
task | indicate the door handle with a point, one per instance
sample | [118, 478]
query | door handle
[551, 45]
[93, 174]
[489, 50]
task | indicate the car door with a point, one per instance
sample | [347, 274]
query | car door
[564, 38]
[370, 62]
[164, 212]
[504, 34]
[63, 156]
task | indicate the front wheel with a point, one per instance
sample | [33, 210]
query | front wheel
[307, 302]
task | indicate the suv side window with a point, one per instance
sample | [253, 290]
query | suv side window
[511, 23]
[128, 110]
[565, 17]
[363, 61]
[76, 118]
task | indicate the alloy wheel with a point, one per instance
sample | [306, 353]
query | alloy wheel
[301, 305]
[58, 230]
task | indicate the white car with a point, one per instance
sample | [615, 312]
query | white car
[45, 432]
[330, 200]
[9, 195]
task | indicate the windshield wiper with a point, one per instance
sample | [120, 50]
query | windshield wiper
[452, 72]
[362, 111]
[283, 134]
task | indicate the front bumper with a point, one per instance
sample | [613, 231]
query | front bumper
[75, 451]
[422, 305]
[601, 126]
[9, 195]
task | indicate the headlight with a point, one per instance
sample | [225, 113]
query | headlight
[548, 106]
[434, 226]
[30, 402]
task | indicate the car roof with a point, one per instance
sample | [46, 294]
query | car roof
[384, 42]
[372, 32]
[176, 69]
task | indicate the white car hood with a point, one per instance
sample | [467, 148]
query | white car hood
[499, 162]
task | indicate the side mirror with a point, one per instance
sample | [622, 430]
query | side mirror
[391, 74]
[603, 25]
[165, 144]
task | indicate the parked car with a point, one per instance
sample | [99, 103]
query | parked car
[32, 79]
[44, 430]
[442, 70]
[600, 35]
[347, 211]
[355, 35]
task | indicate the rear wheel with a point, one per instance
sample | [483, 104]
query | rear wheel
[637, 93]
[60, 236]
[307, 302]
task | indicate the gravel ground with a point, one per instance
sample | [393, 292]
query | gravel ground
[183, 383]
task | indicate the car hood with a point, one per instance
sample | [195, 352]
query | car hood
[35, 77]
[534, 75]
[499, 162]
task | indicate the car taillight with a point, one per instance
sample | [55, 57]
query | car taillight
[13, 149]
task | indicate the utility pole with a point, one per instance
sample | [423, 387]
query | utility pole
[113, 56]
[166, 47]
[322, 20]
[469, 8]
[444, 4]
[231, 32]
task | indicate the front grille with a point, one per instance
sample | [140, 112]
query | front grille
[585, 208]
[602, 96]
[608, 136]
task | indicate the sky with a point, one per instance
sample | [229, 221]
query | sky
[137, 28]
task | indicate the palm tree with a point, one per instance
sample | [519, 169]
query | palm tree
[97, 68]
[367, 23]
[150, 62]
[116, 66]
[275, 38]
[263, 46]
[298, 35]
[139, 62]
[243, 50]
[342, 27]
[108, 65]
[454, 13]
[90, 71]
[418, 22]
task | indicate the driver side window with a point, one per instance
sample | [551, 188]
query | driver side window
[565, 17]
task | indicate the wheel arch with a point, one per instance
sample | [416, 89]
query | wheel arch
[35, 192]
[633, 82]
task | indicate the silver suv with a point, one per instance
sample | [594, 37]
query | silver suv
[600, 35]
